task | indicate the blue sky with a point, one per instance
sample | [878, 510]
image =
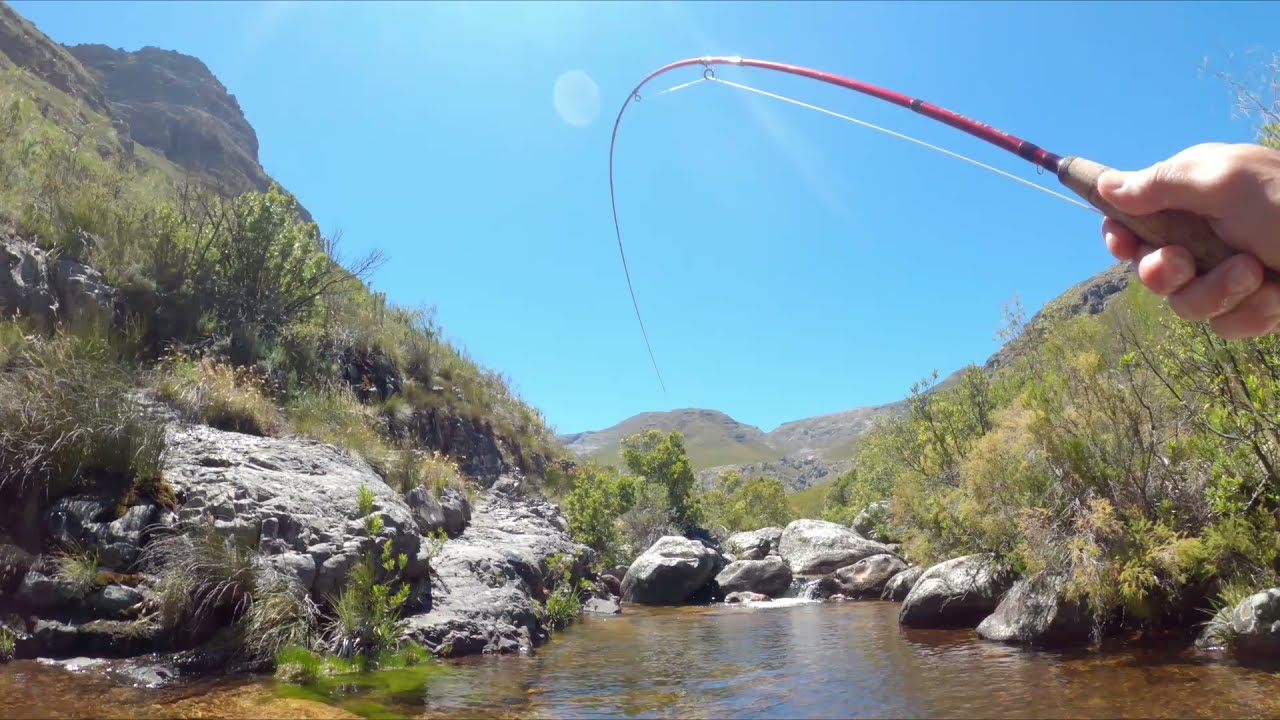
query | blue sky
[788, 264]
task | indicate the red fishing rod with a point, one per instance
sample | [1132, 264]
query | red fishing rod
[1080, 175]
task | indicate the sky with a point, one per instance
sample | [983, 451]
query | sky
[787, 263]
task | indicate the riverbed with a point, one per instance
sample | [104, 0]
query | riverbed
[786, 660]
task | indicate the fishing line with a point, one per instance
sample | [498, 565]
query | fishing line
[1079, 175]
[908, 138]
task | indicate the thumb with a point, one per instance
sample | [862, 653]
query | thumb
[1183, 182]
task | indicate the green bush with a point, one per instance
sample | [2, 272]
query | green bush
[77, 568]
[600, 496]
[564, 604]
[662, 460]
[8, 643]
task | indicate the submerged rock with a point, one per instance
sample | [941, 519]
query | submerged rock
[599, 606]
[900, 585]
[745, 597]
[960, 592]
[769, 576]
[754, 545]
[1035, 612]
[867, 577]
[818, 547]
[670, 572]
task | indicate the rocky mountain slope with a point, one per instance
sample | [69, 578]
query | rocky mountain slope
[806, 452]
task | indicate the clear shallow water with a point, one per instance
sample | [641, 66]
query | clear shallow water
[803, 660]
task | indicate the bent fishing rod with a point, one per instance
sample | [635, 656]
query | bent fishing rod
[1078, 174]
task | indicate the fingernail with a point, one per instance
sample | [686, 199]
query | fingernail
[1111, 181]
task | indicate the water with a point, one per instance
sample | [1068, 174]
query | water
[800, 659]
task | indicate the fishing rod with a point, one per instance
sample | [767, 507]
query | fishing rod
[1078, 174]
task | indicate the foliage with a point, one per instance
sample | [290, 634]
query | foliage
[600, 496]
[8, 643]
[563, 604]
[219, 395]
[67, 415]
[662, 460]
[647, 520]
[757, 502]
[77, 568]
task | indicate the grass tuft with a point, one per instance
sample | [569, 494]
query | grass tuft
[220, 396]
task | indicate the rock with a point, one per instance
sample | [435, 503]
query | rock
[113, 601]
[457, 511]
[670, 572]
[818, 547]
[613, 584]
[14, 564]
[769, 576]
[24, 281]
[899, 586]
[98, 638]
[872, 522]
[618, 571]
[1255, 623]
[485, 581]
[291, 498]
[427, 512]
[867, 577]
[41, 592]
[509, 485]
[754, 545]
[960, 592]
[82, 292]
[598, 606]
[1034, 612]
[745, 597]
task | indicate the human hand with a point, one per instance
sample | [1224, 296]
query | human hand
[1237, 189]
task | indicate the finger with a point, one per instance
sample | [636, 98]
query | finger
[1258, 314]
[1123, 244]
[1167, 269]
[1218, 291]
[1200, 180]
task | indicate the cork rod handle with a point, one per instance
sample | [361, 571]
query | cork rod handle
[1168, 227]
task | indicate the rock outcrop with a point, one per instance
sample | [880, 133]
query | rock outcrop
[899, 586]
[1255, 624]
[960, 592]
[755, 544]
[818, 547]
[868, 577]
[46, 289]
[1036, 612]
[486, 581]
[670, 572]
[769, 576]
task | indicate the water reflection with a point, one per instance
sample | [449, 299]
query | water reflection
[817, 661]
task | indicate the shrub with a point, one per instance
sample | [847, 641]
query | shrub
[219, 395]
[8, 643]
[600, 496]
[67, 416]
[564, 604]
[77, 568]
[662, 460]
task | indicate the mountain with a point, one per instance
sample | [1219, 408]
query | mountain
[807, 452]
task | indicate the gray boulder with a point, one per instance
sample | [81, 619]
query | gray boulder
[82, 292]
[670, 572]
[769, 576]
[872, 521]
[755, 544]
[24, 281]
[457, 511]
[114, 601]
[1255, 623]
[818, 547]
[485, 582]
[899, 586]
[41, 592]
[427, 512]
[960, 592]
[1035, 612]
[598, 606]
[867, 577]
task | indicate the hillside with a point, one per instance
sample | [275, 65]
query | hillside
[811, 451]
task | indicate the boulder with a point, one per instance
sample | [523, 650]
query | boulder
[613, 584]
[41, 592]
[818, 547]
[899, 586]
[754, 545]
[1035, 612]
[457, 511]
[24, 281]
[769, 576]
[113, 601]
[872, 522]
[670, 572]
[960, 592]
[427, 512]
[867, 577]
[97, 638]
[745, 597]
[1255, 623]
[82, 292]
[598, 606]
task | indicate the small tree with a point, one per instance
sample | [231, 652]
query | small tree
[661, 459]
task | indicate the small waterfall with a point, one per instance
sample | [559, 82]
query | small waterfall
[802, 588]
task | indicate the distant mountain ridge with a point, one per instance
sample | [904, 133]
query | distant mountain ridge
[802, 453]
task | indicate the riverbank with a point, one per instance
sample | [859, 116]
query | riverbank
[767, 660]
